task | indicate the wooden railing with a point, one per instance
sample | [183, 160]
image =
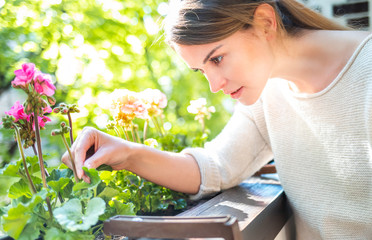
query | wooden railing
[257, 207]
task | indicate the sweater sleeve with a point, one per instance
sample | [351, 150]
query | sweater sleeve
[235, 154]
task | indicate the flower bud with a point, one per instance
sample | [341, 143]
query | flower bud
[65, 110]
[66, 129]
[51, 100]
[56, 132]
[28, 108]
[24, 135]
[63, 124]
[56, 110]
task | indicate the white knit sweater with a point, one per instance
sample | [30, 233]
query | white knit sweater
[322, 145]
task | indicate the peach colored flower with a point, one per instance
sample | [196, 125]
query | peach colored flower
[155, 99]
[126, 105]
[199, 107]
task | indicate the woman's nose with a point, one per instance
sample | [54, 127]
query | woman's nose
[216, 83]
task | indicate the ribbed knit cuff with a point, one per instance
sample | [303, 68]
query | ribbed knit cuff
[209, 171]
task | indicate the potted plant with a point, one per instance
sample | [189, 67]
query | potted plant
[52, 203]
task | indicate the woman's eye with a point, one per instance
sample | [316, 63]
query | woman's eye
[216, 60]
[198, 70]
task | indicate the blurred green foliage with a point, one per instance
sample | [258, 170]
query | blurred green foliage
[92, 47]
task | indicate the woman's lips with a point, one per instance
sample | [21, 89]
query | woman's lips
[237, 93]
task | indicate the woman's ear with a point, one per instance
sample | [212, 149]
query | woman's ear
[265, 19]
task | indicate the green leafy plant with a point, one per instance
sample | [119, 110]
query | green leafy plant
[56, 204]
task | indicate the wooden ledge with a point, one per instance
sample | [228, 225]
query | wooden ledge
[256, 209]
[258, 203]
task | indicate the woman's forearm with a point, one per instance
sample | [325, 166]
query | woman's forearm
[179, 172]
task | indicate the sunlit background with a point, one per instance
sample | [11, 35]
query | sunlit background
[92, 47]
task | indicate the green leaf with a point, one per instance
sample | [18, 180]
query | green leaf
[17, 217]
[134, 179]
[101, 186]
[36, 180]
[123, 208]
[11, 169]
[33, 164]
[59, 185]
[84, 194]
[67, 190]
[60, 181]
[108, 193]
[107, 176]
[71, 217]
[32, 229]
[14, 223]
[57, 234]
[56, 174]
[94, 180]
[19, 189]
[181, 204]
[104, 167]
[54, 234]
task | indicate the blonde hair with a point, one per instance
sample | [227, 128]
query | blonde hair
[195, 22]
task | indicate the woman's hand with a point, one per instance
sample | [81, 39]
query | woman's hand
[109, 150]
[176, 171]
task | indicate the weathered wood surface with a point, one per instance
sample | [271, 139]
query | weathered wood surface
[143, 227]
[258, 203]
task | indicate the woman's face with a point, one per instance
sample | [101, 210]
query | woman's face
[239, 65]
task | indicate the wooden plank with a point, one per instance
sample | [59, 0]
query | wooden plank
[258, 203]
[257, 207]
[179, 227]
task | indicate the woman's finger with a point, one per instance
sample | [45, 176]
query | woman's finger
[66, 159]
[83, 143]
[96, 160]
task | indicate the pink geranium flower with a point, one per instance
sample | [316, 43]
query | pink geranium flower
[17, 111]
[48, 109]
[43, 84]
[43, 120]
[25, 75]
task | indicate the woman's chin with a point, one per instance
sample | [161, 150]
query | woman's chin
[248, 100]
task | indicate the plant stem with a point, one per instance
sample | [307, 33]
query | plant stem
[117, 131]
[41, 161]
[34, 148]
[70, 124]
[133, 135]
[71, 159]
[125, 134]
[137, 134]
[203, 125]
[157, 126]
[145, 129]
[161, 124]
[35, 152]
[19, 141]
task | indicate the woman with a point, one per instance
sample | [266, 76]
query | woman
[305, 88]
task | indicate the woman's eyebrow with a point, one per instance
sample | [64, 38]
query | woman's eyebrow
[210, 53]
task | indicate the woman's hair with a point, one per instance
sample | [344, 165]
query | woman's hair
[195, 22]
